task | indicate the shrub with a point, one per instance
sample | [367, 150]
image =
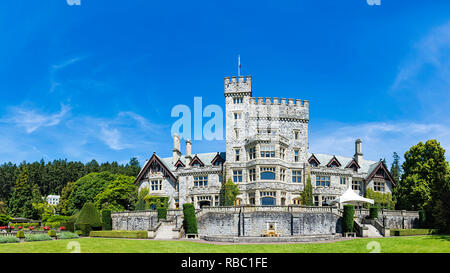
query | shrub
[37, 237]
[162, 213]
[52, 233]
[8, 239]
[4, 219]
[67, 235]
[70, 223]
[106, 219]
[79, 232]
[422, 218]
[190, 220]
[133, 234]
[89, 219]
[140, 205]
[410, 232]
[347, 218]
[373, 212]
[20, 234]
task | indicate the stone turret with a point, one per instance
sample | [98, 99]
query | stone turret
[241, 86]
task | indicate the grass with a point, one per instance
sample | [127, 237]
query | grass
[413, 244]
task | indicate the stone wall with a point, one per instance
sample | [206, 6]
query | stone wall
[398, 219]
[134, 220]
[253, 221]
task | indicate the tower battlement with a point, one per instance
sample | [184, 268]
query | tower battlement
[279, 101]
[238, 85]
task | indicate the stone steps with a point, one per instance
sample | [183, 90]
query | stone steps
[165, 231]
[373, 232]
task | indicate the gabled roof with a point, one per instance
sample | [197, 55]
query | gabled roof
[196, 160]
[155, 161]
[383, 168]
[366, 166]
[335, 161]
[217, 158]
[313, 158]
[179, 164]
[353, 163]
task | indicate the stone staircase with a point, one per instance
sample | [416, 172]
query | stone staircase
[373, 231]
[165, 231]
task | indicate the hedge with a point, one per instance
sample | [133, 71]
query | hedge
[373, 212]
[133, 234]
[67, 235]
[409, 232]
[162, 213]
[347, 218]
[106, 219]
[190, 220]
[422, 218]
[89, 219]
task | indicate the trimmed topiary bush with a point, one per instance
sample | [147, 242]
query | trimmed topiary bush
[162, 213]
[20, 234]
[190, 220]
[373, 212]
[132, 234]
[347, 218]
[106, 219]
[79, 232]
[52, 233]
[411, 232]
[89, 219]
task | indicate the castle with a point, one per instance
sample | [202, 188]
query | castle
[266, 156]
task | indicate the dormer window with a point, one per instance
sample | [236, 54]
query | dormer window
[313, 161]
[334, 163]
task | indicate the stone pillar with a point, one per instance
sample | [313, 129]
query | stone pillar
[257, 201]
[278, 199]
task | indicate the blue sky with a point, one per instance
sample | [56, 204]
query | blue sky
[99, 80]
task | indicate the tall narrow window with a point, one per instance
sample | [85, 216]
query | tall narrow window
[282, 174]
[296, 152]
[252, 153]
[252, 175]
[296, 134]
[237, 157]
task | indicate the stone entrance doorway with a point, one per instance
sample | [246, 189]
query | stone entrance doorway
[204, 203]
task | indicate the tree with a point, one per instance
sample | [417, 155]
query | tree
[424, 178]
[396, 169]
[87, 188]
[229, 192]
[63, 205]
[119, 195]
[306, 197]
[21, 202]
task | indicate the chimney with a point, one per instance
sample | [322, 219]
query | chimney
[358, 152]
[188, 150]
[176, 152]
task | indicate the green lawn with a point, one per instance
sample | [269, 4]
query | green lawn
[414, 244]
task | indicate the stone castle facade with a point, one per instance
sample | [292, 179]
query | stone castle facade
[266, 156]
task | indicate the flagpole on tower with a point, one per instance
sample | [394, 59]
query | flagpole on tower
[239, 66]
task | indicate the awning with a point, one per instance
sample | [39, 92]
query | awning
[351, 197]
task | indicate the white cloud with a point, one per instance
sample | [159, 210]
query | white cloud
[380, 139]
[432, 51]
[112, 138]
[31, 119]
